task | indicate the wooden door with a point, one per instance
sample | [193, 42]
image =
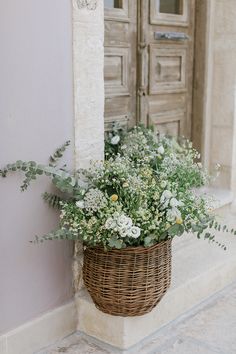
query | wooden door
[149, 63]
[120, 70]
[166, 36]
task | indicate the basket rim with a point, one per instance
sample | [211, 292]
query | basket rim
[128, 249]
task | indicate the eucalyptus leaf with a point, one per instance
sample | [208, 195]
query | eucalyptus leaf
[176, 230]
[115, 243]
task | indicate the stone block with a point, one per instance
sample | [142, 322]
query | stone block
[199, 270]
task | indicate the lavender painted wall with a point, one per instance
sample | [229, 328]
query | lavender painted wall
[36, 116]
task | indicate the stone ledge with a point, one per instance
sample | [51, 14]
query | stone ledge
[199, 270]
[222, 197]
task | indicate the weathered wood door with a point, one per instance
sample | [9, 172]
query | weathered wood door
[166, 33]
[149, 63]
[120, 62]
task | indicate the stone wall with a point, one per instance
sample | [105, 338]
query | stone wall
[36, 116]
[223, 91]
[214, 114]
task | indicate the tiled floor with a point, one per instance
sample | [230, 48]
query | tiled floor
[208, 329]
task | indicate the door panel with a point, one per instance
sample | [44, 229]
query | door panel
[170, 12]
[167, 69]
[116, 72]
[169, 6]
[120, 62]
[166, 31]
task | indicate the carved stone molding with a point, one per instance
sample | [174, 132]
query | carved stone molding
[89, 4]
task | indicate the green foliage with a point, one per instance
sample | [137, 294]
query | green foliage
[170, 158]
[115, 243]
[62, 179]
[53, 159]
[176, 230]
[140, 195]
[52, 200]
[61, 234]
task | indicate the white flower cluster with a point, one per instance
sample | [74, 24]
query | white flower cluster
[170, 164]
[135, 183]
[96, 169]
[171, 204]
[94, 200]
[136, 145]
[123, 225]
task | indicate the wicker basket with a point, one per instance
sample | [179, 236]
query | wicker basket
[128, 282]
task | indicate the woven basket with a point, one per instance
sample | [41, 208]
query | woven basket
[127, 282]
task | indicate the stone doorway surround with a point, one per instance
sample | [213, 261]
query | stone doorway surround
[213, 127]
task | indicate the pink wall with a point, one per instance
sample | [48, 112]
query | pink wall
[36, 116]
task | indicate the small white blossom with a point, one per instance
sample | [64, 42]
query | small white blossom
[163, 184]
[166, 195]
[174, 202]
[110, 224]
[161, 150]
[199, 164]
[124, 222]
[123, 232]
[80, 204]
[173, 214]
[115, 140]
[134, 232]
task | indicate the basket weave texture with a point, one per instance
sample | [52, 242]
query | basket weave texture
[127, 282]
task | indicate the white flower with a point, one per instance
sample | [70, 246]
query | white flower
[115, 140]
[161, 150]
[123, 232]
[116, 215]
[199, 164]
[163, 184]
[94, 200]
[174, 202]
[124, 222]
[110, 224]
[166, 195]
[123, 225]
[134, 232]
[173, 214]
[80, 204]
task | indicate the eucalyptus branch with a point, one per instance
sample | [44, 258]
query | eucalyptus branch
[65, 181]
[60, 234]
[53, 159]
[53, 200]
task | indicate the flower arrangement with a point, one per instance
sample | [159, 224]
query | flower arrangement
[142, 194]
[126, 210]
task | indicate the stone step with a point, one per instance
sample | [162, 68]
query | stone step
[207, 328]
[199, 270]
